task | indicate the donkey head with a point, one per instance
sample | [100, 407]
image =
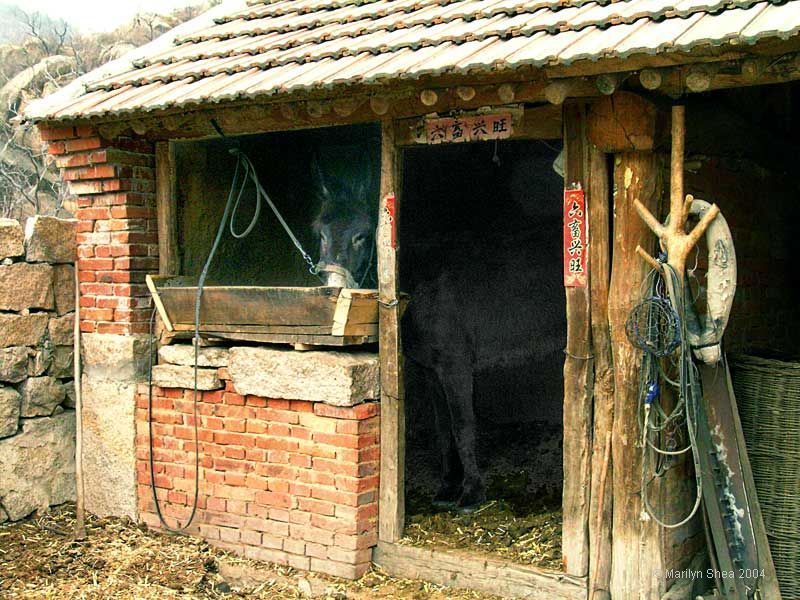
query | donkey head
[346, 222]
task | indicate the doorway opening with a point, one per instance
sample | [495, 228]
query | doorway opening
[482, 261]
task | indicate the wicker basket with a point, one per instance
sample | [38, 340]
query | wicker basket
[768, 395]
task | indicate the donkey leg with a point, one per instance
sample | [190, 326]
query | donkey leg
[457, 384]
[451, 472]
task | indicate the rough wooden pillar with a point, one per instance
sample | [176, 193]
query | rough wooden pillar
[637, 559]
[578, 373]
[600, 512]
[166, 210]
[393, 434]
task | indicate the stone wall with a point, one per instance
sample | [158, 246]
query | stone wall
[286, 476]
[37, 392]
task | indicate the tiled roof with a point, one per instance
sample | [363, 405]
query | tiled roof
[261, 48]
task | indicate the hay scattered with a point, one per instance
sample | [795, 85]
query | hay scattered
[516, 525]
[40, 560]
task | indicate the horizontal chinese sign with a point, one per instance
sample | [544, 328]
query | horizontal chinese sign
[472, 128]
[575, 238]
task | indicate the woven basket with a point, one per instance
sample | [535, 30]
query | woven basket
[768, 394]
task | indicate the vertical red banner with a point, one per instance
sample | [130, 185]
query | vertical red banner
[390, 208]
[576, 252]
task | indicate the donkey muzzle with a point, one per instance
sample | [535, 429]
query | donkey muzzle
[336, 275]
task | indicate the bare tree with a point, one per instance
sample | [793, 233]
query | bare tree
[48, 34]
[51, 56]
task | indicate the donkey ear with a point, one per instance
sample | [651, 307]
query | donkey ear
[318, 177]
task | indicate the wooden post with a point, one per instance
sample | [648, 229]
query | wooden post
[637, 558]
[167, 210]
[578, 373]
[77, 369]
[600, 276]
[393, 435]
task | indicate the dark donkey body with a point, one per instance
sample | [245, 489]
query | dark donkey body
[492, 300]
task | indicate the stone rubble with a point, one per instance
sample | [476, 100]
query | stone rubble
[177, 376]
[336, 378]
[50, 240]
[37, 300]
[12, 239]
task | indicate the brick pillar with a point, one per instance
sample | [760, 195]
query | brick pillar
[117, 246]
[117, 232]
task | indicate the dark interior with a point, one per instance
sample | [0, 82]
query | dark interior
[478, 202]
[742, 154]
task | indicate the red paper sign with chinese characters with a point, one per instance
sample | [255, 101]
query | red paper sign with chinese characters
[390, 218]
[473, 128]
[576, 253]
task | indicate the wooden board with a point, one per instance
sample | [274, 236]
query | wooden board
[288, 338]
[769, 583]
[540, 122]
[318, 315]
[167, 210]
[602, 499]
[468, 571]
[637, 551]
[370, 329]
[578, 376]
[391, 517]
[234, 305]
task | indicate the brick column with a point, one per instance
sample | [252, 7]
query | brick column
[117, 246]
[114, 182]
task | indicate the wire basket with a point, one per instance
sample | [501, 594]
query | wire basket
[768, 394]
[654, 326]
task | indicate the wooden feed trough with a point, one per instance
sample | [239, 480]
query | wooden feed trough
[323, 316]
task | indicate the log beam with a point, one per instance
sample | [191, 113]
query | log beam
[636, 556]
[602, 498]
[391, 517]
[167, 210]
[578, 372]
[622, 122]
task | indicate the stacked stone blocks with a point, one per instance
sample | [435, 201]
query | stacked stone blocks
[37, 392]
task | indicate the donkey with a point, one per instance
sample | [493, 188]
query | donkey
[496, 304]
[347, 218]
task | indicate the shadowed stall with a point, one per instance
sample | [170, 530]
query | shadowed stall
[481, 260]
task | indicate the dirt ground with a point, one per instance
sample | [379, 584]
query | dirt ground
[41, 560]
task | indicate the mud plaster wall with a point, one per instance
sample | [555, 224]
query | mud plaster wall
[759, 206]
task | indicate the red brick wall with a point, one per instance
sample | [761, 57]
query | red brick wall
[117, 233]
[289, 482]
